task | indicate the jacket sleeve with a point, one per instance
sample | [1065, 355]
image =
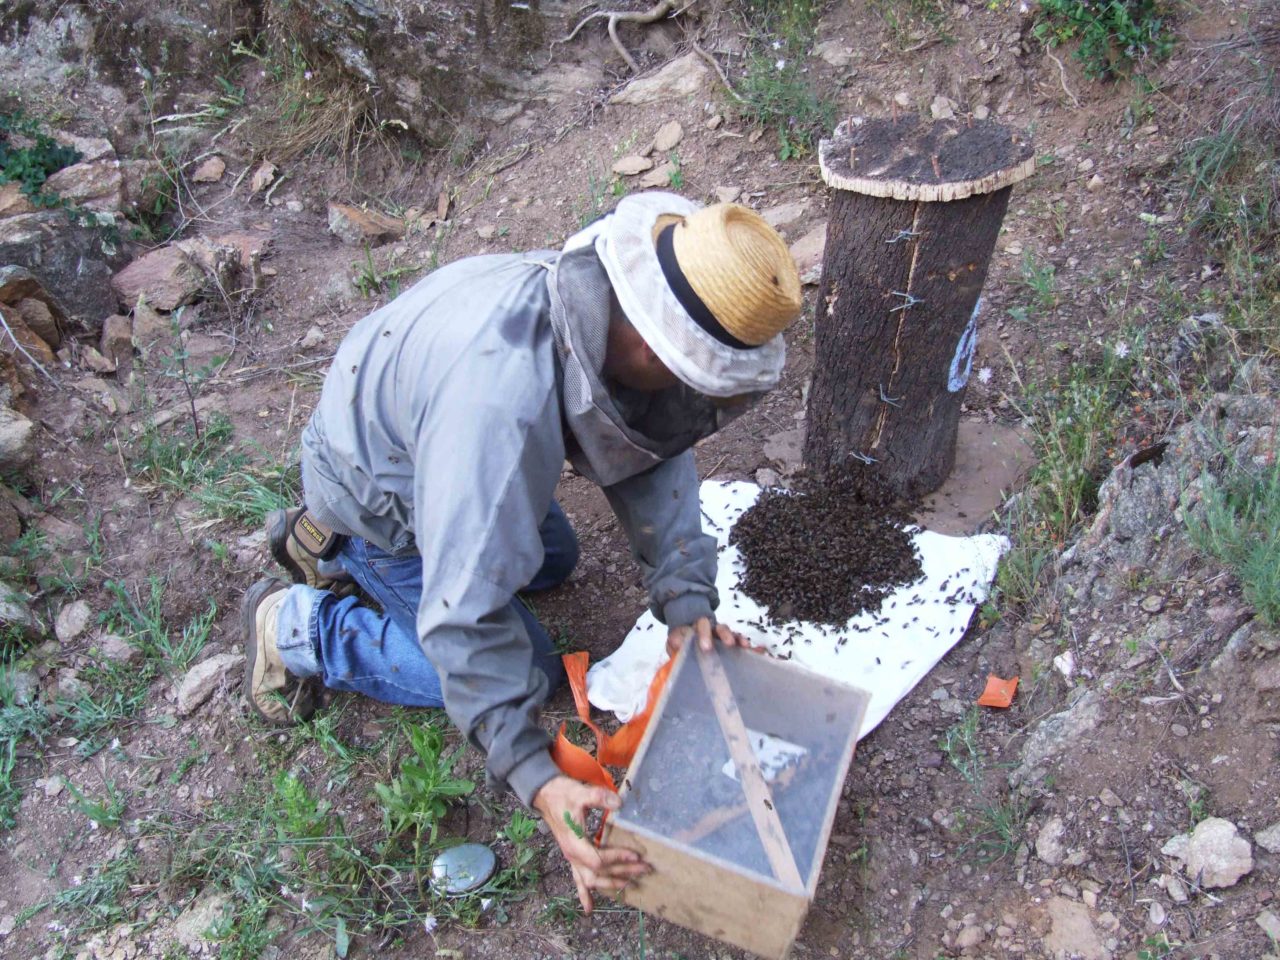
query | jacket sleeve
[660, 511]
[483, 484]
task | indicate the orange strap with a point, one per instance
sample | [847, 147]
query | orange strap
[614, 750]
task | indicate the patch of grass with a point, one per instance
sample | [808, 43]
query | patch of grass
[1113, 35]
[247, 493]
[186, 458]
[775, 91]
[18, 722]
[912, 22]
[371, 281]
[106, 812]
[416, 800]
[1039, 281]
[994, 826]
[100, 898]
[1239, 526]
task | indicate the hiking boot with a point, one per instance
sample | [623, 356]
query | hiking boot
[272, 692]
[303, 565]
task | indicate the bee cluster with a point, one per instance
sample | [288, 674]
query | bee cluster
[829, 550]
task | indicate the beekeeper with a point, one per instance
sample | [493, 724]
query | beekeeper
[430, 465]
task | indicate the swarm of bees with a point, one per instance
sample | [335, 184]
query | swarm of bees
[829, 550]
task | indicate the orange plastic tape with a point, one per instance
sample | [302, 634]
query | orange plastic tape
[614, 750]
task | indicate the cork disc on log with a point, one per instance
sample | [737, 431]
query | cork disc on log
[937, 161]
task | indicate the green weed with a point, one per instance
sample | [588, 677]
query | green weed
[105, 813]
[28, 156]
[1113, 35]
[371, 281]
[994, 827]
[18, 722]
[1039, 280]
[775, 91]
[1240, 527]
[100, 898]
[912, 22]
[416, 800]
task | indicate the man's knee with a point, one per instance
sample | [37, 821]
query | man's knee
[560, 547]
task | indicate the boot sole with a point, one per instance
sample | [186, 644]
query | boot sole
[253, 597]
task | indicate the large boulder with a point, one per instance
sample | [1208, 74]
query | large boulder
[71, 259]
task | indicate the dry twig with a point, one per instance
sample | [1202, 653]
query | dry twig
[660, 10]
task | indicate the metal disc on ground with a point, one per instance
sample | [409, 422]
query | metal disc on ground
[463, 868]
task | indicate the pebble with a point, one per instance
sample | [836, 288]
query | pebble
[981, 112]
[73, 620]
[1178, 730]
[728, 194]
[1213, 852]
[487, 232]
[1153, 603]
[668, 136]
[1156, 913]
[1109, 798]
[1094, 184]
[1269, 923]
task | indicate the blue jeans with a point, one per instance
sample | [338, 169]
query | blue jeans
[355, 648]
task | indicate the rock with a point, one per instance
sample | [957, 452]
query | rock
[1049, 845]
[1266, 676]
[144, 182]
[166, 278]
[205, 677]
[1176, 889]
[1085, 165]
[117, 340]
[785, 213]
[95, 186]
[15, 612]
[89, 148]
[210, 171]
[943, 108]
[1156, 914]
[902, 98]
[1213, 854]
[69, 686]
[150, 327]
[728, 194]
[680, 78]
[115, 648]
[1056, 733]
[91, 359]
[835, 53]
[72, 621]
[969, 937]
[192, 926]
[1110, 798]
[70, 257]
[1072, 933]
[1065, 664]
[1269, 839]
[353, 225]
[768, 478]
[314, 337]
[13, 201]
[1178, 730]
[1153, 603]
[487, 232]
[40, 321]
[631, 165]
[7, 923]
[715, 122]
[263, 177]
[25, 337]
[981, 112]
[668, 136]
[1269, 923]
[1094, 184]
[658, 176]
[15, 440]
[808, 253]
[51, 787]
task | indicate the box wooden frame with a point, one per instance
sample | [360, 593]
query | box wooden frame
[706, 893]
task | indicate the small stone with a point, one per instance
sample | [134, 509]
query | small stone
[728, 194]
[1090, 899]
[658, 177]
[91, 359]
[69, 685]
[631, 165]
[487, 232]
[969, 937]
[1109, 798]
[981, 112]
[1269, 923]
[16, 433]
[1049, 846]
[1213, 854]
[294, 206]
[943, 108]
[1269, 839]
[7, 923]
[205, 677]
[680, 78]
[902, 98]
[768, 478]
[1094, 184]
[808, 253]
[313, 338]
[40, 319]
[668, 136]
[263, 177]
[783, 214]
[355, 226]
[1084, 166]
[113, 647]
[1178, 730]
[714, 123]
[1176, 889]
[1156, 913]
[51, 786]
[1153, 603]
[210, 171]
[72, 621]
[166, 278]
[117, 340]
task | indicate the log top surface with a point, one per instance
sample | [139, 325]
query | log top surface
[912, 159]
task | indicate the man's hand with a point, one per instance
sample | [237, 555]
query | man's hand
[563, 803]
[702, 629]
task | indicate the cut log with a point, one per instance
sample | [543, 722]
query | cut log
[915, 213]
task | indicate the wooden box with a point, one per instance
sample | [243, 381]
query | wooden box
[732, 793]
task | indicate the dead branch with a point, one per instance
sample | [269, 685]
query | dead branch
[659, 11]
[715, 65]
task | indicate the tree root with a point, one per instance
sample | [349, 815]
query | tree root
[659, 11]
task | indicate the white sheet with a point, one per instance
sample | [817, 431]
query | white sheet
[886, 659]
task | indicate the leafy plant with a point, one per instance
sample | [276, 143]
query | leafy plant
[371, 281]
[1113, 34]
[28, 156]
[104, 813]
[18, 721]
[418, 798]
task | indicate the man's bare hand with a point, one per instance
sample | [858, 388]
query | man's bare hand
[563, 803]
[704, 632]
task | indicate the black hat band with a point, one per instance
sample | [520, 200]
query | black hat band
[687, 296]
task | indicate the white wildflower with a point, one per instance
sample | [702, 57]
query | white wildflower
[429, 923]
[486, 903]
[1121, 349]
[777, 44]
[77, 880]
[984, 375]
[1022, 7]
[781, 64]
[306, 75]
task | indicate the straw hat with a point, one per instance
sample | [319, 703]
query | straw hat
[709, 288]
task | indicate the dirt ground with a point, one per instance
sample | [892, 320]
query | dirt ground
[906, 874]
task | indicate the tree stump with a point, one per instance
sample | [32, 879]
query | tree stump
[916, 210]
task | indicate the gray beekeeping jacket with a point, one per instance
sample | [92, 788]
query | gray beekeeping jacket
[442, 428]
